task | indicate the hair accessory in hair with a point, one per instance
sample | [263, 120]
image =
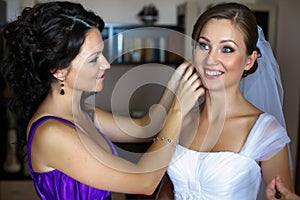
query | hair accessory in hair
[75, 19]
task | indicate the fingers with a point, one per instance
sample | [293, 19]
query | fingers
[199, 92]
[189, 89]
[270, 190]
[185, 69]
[188, 72]
[183, 66]
[181, 69]
[271, 185]
[277, 190]
[193, 80]
[177, 76]
[281, 187]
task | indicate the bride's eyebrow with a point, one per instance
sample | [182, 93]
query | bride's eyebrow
[204, 38]
[222, 41]
[231, 41]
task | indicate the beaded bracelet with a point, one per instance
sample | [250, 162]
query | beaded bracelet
[172, 142]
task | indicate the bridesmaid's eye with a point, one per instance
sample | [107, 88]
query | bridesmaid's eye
[94, 60]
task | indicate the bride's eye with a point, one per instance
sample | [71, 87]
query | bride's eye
[203, 46]
[228, 50]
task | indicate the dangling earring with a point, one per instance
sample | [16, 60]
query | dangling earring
[62, 91]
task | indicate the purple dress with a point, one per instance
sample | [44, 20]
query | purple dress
[55, 185]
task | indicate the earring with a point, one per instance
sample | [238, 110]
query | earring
[245, 73]
[62, 91]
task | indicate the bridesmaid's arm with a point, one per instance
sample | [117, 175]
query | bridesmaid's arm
[166, 191]
[126, 129]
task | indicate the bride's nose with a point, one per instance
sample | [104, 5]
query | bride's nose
[212, 57]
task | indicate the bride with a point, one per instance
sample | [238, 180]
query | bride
[235, 145]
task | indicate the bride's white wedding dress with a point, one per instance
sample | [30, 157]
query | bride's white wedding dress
[227, 175]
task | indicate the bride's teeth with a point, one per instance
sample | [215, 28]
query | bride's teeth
[213, 73]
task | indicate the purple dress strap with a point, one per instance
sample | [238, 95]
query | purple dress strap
[57, 185]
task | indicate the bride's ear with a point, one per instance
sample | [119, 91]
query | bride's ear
[251, 59]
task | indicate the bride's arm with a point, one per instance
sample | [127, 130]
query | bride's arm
[278, 165]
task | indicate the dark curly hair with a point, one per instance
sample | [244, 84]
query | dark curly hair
[239, 14]
[44, 38]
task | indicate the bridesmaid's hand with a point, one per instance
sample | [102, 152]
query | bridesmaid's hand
[174, 81]
[189, 89]
[277, 190]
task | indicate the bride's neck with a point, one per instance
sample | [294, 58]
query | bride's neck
[218, 105]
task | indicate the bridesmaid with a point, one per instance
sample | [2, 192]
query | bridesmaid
[54, 62]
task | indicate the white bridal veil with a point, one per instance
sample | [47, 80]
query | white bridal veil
[263, 88]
